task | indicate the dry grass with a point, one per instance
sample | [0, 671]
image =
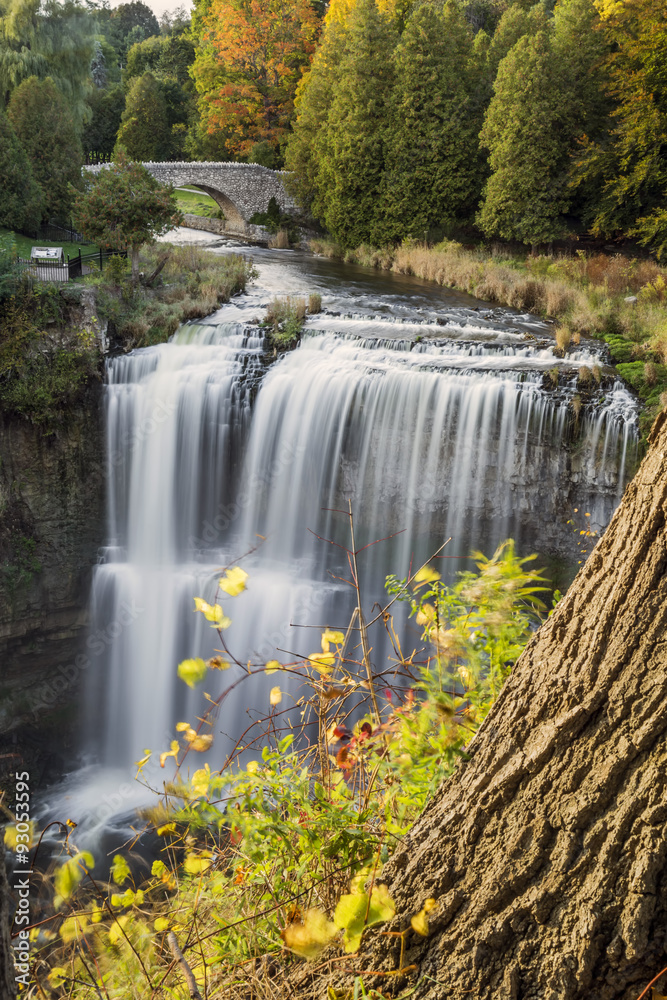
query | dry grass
[280, 241]
[314, 303]
[563, 337]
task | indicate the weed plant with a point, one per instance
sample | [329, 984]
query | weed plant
[190, 284]
[277, 858]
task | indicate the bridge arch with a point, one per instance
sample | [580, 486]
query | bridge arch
[241, 189]
[232, 214]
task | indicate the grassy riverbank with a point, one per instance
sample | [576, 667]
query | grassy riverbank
[50, 346]
[584, 295]
[190, 283]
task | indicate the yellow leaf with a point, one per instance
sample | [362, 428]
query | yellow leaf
[115, 931]
[67, 877]
[161, 924]
[212, 613]
[167, 828]
[233, 581]
[197, 742]
[57, 976]
[419, 922]
[426, 575]
[217, 663]
[322, 662]
[272, 666]
[354, 913]
[330, 636]
[310, 936]
[195, 864]
[73, 928]
[276, 696]
[173, 752]
[11, 835]
[201, 780]
[253, 767]
[192, 671]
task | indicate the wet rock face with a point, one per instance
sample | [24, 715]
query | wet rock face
[51, 526]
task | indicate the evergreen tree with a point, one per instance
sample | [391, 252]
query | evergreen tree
[434, 168]
[99, 134]
[45, 128]
[529, 130]
[20, 196]
[351, 172]
[144, 130]
[628, 166]
[314, 95]
[516, 22]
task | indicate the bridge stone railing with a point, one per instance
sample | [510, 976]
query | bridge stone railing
[241, 189]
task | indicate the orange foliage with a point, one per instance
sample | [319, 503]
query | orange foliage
[252, 57]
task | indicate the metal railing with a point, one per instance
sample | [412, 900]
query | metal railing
[74, 267]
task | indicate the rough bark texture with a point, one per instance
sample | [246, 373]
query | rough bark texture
[547, 850]
[7, 981]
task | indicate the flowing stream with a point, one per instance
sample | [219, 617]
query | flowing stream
[435, 414]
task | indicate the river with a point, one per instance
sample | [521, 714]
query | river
[433, 413]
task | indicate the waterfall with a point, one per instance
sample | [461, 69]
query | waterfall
[429, 438]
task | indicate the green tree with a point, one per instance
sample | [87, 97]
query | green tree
[47, 39]
[314, 96]
[144, 132]
[628, 166]
[529, 131]
[124, 207]
[516, 22]
[130, 23]
[99, 134]
[351, 175]
[45, 128]
[20, 196]
[434, 167]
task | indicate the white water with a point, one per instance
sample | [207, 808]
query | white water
[453, 437]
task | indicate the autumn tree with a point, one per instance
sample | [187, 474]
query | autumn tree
[124, 207]
[20, 197]
[545, 853]
[434, 169]
[628, 166]
[144, 129]
[47, 132]
[250, 58]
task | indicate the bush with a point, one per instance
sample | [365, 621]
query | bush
[264, 853]
[284, 319]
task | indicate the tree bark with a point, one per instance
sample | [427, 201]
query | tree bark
[547, 850]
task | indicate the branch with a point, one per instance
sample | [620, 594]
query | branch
[185, 968]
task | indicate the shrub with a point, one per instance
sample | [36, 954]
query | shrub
[261, 855]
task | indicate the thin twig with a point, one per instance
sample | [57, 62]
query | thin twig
[185, 968]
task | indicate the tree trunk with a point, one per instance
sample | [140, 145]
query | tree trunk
[7, 981]
[547, 850]
[134, 257]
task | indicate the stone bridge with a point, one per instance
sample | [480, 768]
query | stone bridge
[240, 189]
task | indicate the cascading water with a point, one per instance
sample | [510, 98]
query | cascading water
[445, 422]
